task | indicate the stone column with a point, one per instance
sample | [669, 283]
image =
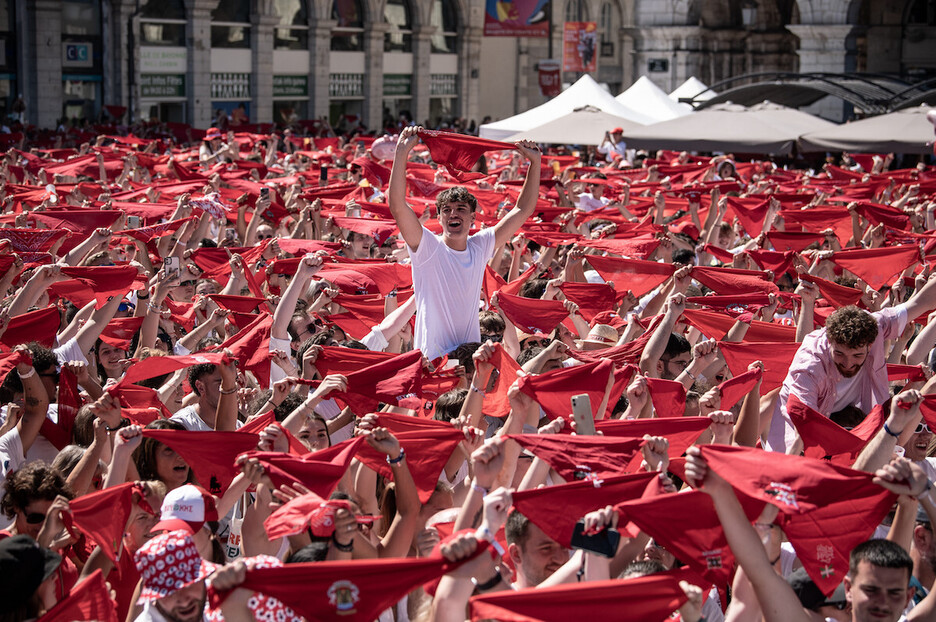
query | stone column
[373, 74]
[319, 66]
[825, 48]
[261, 66]
[123, 23]
[469, 68]
[198, 39]
[44, 57]
[666, 42]
[421, 89]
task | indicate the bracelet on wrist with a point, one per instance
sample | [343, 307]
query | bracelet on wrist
[29, 374]
[483, 533]
[146, 297]
[228, 391]
[344, 548]
[490, 583]
[153, 308]
[480, 489]
[396, 461]
[891, 432]
[478, 391]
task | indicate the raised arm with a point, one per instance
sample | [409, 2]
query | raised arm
[529, 194]
[410, 227]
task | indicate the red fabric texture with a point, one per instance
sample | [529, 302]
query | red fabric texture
[776, 356]
[318, 473]
[380, 230]
[386, 381]
[681, 432]
[653, 597]
[95, 283]
[592, 298]
[532, 315]
[240, 304]
[554, 389]
[33, 240]
[211, 455]
[159, 365]
[556, 509]
[639, 247]
[251, 347]
[877, 266]
[715, 325]
[81, 220]
[582, 457]
[796, 241]
[102, 516]
[496, 403]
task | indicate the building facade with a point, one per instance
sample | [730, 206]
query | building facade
[375, 60]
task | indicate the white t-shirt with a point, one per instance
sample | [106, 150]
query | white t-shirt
[11, 458]
[189, 419]
[447, 286]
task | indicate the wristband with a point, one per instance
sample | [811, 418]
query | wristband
[478, 391]
[490, 583]
[123, 423]
[689, 373]
[396, 461]
[483, 533]
[890, 432]
[344, 548]
[30, 374]
[475, 487]
[146, 297]
[227, 391]
[928, 493]
[154, 308]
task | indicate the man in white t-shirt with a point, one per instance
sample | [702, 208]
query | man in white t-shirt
[211, 383]
[448, 269]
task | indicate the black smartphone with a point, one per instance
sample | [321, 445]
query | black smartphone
[264, 193]
[323, 173]
[604, 543]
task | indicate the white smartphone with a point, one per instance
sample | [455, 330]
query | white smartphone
[133, 222]
[582, 414]
[172, 266]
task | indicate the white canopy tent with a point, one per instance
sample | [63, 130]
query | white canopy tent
[585, 92]
[690, 88]
[582, 126]
[647, 98]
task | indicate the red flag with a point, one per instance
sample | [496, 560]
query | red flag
[554, 389]
[211, 455]
[652, 597]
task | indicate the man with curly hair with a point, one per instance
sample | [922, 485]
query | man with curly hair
[845, 363]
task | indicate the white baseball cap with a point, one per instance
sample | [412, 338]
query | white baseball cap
[187, 508]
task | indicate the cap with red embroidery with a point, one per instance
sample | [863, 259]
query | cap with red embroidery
[212, 133]
[168, 563]
[187, 508]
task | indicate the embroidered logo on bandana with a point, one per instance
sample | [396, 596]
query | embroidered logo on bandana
[343, 595]
[784, 494]
[713, 559]
[825, 554]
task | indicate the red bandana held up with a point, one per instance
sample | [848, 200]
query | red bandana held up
[556, 509]
[822, 437]
[355, 591]
[554, 389]
[734, 389]
[837, 295]
[459, 153]
[634, 275]
[120, 331]
[89, 599]
[210, 455]
[776, 356]
[582, 457]
[877, 266]
[641, 599]
[102, 516]
[532, 315]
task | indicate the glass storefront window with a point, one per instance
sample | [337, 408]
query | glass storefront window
[445, 20]
[162, 33]
[292, 32]
[230, 24]
[81, 18]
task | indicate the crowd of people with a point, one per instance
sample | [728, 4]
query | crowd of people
[433, 377]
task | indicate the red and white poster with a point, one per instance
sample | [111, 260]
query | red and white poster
[550, 78]
[580, 46]
[516, 18]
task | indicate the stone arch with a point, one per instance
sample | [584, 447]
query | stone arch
[827, 11]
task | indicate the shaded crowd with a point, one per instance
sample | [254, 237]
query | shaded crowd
[433, 377]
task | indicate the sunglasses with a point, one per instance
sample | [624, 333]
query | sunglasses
[921, 427]
[34, 518]
[493, 338]
[190, 283]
